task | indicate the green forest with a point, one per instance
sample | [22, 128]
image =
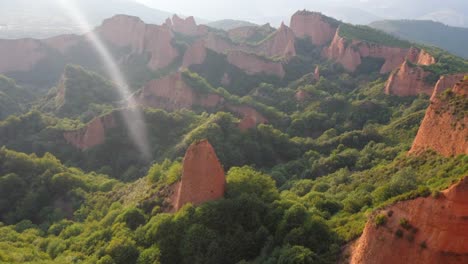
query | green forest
[299, 188]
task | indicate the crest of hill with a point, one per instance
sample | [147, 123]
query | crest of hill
[228, 24]
[78, 91]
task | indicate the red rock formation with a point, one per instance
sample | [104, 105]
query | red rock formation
[420, 57]
[63, 43]
[203, 177]
[253, 64]
[281, 44]
[301, 95]
[172, 93]
[127, 31]
[250, 117]
[20, 55]
[408, 81]
[317, 73]
[341, 53]
[439, 232]
[444, 129]
[93, 134]
[446, 82]
[349, 53]
[314, 26]
[120, 31]
[195, 54]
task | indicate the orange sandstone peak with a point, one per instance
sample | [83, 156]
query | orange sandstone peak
[203, 177]
[437, 231]
[314, 26]
[93, 134]
[444, 127]
[408, 80]
[128, 31]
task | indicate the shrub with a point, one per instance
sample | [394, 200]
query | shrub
[380, 220]
[405, 223]
[399, 233]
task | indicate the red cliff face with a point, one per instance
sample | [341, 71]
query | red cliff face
[444, 127]
[341, 53]
[127, 31]
[203, 177]
[446, 82]
[195, 54]
[93, 134]
[438, 231]
[349, 53]
[420, 57]
[172, 93]
[314, 26]
[186, 26]
[20, 55]
[250, 117]
[408, 81]
[252, 64]
[281, 44]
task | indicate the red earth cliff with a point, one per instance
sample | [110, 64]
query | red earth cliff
[186, 26]
[127, 31]
[444, 128]
[408, 80]
[437, 231]
[314, 26]
[446, 82]
[350, 53]
[93, 134]
[203, 177]
[20, 55]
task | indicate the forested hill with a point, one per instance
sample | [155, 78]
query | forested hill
[253, 145]
[452, 39]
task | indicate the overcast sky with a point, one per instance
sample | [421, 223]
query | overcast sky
[237, 9]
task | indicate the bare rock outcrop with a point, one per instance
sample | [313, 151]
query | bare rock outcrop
[408, 80]
[93, 134]
[127, 31]
[20, 55]
[446, 82]
[253, 64]
[195, 54]
[350, 53]
[186, 26]
[435, 230]
[281, 44]
[250, 117]
[444, 128]
[420, 57]
[314, 26]
[202, 179]
[317, 73]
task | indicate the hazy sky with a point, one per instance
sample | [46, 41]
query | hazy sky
[238, 9]
[354, 10]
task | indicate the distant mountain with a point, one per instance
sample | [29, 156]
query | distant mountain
[228, 24]
[45, 18]
[452, 39]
